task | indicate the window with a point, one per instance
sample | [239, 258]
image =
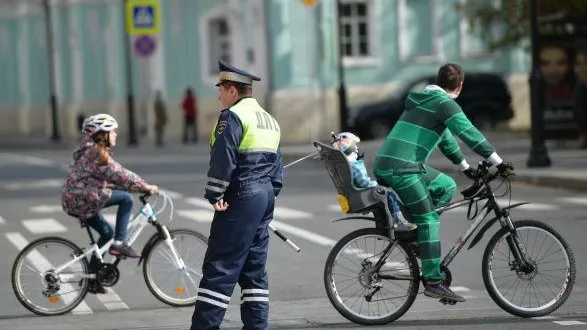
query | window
[357, 30]
[219, 43]
[419, 27]
[220, 34]
[354, 38]
[472, 44]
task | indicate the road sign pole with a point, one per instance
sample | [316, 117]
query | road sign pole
[55, 136]
[538, 154]
[343, 112]
[141, 17]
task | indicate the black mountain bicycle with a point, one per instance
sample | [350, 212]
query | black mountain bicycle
[372, 275]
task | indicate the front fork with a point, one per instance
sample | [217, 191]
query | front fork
[521, 261]
[179, 264]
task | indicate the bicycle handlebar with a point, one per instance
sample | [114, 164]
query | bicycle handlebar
[143, 198]
[482, 172]
[482, 177]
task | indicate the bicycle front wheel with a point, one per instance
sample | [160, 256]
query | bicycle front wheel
[173, 284]
[538, 290]
[363, 294]
[38, 287]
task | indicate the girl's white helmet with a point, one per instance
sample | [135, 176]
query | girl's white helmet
[101, 122]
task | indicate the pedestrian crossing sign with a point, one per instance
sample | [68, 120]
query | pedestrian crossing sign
[143, 17]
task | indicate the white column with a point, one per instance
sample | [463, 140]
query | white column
[23, 69]
[312, 109]
[114, 38]
[77, 71]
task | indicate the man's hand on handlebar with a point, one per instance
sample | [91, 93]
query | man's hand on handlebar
[470, 173]
[505, 168]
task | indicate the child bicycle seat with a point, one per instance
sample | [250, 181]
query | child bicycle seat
[350, 198]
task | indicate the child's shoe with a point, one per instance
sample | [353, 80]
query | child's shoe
[401, 224]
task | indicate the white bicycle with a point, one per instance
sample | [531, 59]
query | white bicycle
[56, 286]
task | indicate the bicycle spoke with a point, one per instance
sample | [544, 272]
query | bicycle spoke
[359, 288]
[534, 288]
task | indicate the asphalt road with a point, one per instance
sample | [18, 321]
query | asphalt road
[29, 208]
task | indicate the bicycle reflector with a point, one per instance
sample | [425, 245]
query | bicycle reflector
[343, 203]
[180, 290]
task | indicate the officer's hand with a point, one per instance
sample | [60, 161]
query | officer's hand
[221, 205]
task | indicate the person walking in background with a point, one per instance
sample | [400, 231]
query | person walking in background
[190, 112]
[160, 118]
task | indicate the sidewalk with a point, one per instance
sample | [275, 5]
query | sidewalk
[568, 163]
[37, 143]
[568, 168]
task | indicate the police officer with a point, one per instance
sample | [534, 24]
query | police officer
[245, 176]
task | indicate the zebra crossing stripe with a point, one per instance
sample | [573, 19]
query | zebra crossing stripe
[305, 234]
[204, 216]
[112, 301]
[286, 213]
[42, 264]
[574, 200]
[44, 226]
[199, 202]
[528, 207]
[279, 211]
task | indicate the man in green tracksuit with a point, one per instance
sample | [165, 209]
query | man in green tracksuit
[429, 118]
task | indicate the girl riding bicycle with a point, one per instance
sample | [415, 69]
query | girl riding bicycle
[95, 181]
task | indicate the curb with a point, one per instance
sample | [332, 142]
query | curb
[553, 181]
[543, 180]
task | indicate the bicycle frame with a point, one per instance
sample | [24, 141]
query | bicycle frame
[501, 214]
[475, 223]
[136, 226]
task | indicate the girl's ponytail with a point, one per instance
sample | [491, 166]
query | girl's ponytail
[102, 141]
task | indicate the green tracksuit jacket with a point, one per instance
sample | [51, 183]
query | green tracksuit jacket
[431, 118]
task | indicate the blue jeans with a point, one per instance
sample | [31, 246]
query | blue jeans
[124, 201]
[392, 203]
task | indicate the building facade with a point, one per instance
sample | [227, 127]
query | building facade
[294, 48]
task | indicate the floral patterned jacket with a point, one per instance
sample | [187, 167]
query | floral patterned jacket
[87, 185]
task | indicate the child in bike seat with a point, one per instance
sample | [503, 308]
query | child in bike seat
[87, 188]
[348, 144]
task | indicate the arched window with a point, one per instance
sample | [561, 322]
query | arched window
[220, 43]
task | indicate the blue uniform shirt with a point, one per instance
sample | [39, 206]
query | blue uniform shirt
[244, 148]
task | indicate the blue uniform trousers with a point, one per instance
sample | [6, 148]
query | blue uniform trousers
[237, 252]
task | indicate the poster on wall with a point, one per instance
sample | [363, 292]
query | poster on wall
[563, 66]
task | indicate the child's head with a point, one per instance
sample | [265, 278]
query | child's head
[102, 129]
[346, 142]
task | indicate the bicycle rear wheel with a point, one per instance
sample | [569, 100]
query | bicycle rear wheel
[38, 287]
[357, 295]
[171, 285]
[551, 258]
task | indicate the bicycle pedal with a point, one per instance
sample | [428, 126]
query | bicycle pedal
[445, 301]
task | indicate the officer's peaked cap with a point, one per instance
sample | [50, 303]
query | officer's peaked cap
[230, 73]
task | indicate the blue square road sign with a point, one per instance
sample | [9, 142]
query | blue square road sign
[143, 16]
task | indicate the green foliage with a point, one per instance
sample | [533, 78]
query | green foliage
[506, 23]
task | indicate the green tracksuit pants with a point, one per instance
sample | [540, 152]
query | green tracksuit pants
[422, 193]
